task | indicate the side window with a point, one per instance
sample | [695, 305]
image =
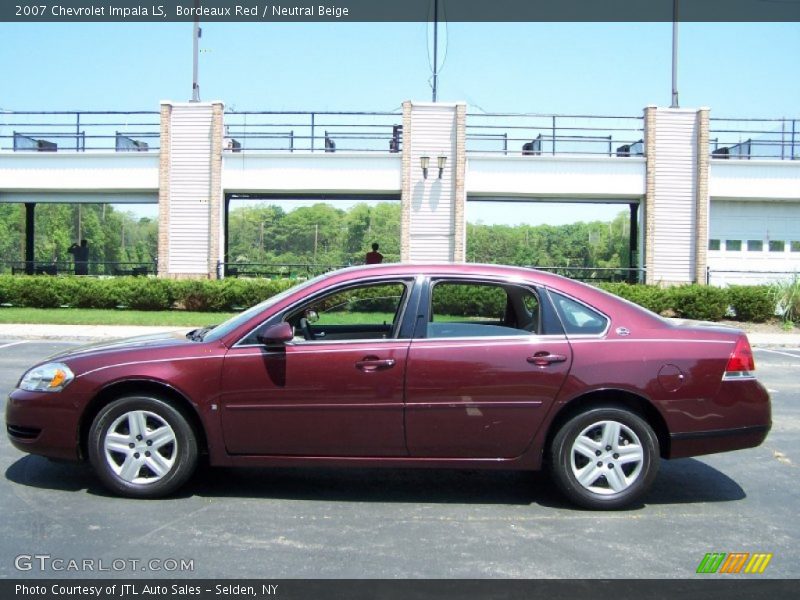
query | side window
[467, 309]
[578, 318]
[356, 313]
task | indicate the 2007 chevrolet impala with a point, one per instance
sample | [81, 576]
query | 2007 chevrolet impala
[405, 365]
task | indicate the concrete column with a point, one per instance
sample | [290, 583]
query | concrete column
[190, 194]
[433, 207]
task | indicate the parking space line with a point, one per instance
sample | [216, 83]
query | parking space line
[778, 352]
[14, 344]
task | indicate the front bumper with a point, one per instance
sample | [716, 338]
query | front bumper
[43, 423]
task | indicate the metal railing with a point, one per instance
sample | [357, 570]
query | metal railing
[100, 268]
[743, 139]
[723, 277]
[313, 131]
[598, 274]
[536, 135]
[273, 270]
[80, 131]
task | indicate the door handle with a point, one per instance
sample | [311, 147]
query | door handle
[373, 363]
[543, 359]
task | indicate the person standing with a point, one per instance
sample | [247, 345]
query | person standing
[81, 254]
[374, 257]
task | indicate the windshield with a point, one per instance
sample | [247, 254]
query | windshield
[225, 328]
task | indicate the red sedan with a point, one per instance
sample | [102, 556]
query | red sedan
[405, 365]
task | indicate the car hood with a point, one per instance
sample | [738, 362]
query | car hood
[142, 342]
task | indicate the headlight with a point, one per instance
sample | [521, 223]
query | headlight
[52, 377]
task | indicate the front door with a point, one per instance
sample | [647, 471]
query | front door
[337, 390]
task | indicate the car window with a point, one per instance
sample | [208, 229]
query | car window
[470, 309]
[578, 318]
[369, 311]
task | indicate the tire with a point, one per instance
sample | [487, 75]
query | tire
[605, 458]
[142, 447]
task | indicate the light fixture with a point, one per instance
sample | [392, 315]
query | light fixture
[424, 162]
[441, 160]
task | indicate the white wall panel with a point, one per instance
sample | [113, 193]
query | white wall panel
[556, 176]
[90, 172]
[189, 188]
[675, 195]
[432, 225]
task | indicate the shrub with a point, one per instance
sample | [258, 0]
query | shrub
[755, 303]
[89, 292]
[650, 297]
[786, 295]
[5, 288]
[700, 302]
[37, 291]
[146, 293]
[201, 295]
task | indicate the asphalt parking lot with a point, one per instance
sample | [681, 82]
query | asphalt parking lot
[330, 523]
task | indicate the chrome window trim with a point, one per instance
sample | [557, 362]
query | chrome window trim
[407, 280]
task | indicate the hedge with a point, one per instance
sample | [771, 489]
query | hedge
[746, 303]
[138, 293]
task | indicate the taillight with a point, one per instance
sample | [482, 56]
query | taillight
[741, 362]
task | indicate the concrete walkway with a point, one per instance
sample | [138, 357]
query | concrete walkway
[81, 333]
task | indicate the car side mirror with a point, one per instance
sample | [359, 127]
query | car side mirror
[276, 334]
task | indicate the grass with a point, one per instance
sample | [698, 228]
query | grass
[92, 316]
[169, 318]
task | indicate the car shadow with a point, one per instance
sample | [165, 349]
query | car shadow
[681, 481]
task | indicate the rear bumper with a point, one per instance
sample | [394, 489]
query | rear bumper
[739, 416]
[718, 440]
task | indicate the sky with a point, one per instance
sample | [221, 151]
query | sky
[739, 70]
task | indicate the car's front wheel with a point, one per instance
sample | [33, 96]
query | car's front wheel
[142, 447]
[605, 458]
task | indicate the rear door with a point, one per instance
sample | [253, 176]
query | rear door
[483, 368]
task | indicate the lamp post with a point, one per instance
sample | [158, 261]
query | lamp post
[674, 55]
[435, 47]
[196, 33]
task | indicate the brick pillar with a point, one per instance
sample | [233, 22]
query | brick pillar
[650, 189]
[673, 191]
[405, 187]
[163, 190]
[433, 207]
[460, 194]
[702, 208]
[216, 230]
[190, 192]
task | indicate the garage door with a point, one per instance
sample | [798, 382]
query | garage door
[753, 242]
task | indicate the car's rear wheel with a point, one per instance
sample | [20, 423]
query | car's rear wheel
[142, 447]
[605, 458]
